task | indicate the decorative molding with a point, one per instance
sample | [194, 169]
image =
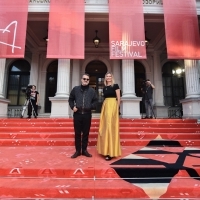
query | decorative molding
[101, 6]
[100, 2]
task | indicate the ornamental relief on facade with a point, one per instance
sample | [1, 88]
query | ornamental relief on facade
[152, 2]
[38, 1]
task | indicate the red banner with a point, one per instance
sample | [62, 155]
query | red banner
[126, 28]
[181, 27]
[66, 29]
[13, 22]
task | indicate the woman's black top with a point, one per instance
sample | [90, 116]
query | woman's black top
[109, 91]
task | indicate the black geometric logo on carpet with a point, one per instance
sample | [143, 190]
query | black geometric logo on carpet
[140, 173]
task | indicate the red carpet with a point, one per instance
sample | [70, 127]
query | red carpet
[161, 160]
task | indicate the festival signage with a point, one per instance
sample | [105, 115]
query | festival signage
[13, 23]
[66, 29]
[181, 29]
[126, 29]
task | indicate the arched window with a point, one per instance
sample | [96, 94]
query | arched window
[19, 76]
[173, 83]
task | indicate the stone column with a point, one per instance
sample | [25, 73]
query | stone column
[160, 110]
[2, 72]
[3, 102]
[130, 103]
[76, 76]
[76, 79]
[192, 79]
[128, 78]
[63, 78]
[34, 74]
[59, 103]
[191, 103]
[116, 72]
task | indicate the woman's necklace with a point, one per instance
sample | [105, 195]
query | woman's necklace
[107, 86]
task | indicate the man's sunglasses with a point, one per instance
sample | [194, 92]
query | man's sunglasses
[86, 79]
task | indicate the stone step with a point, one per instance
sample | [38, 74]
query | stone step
[92, 142]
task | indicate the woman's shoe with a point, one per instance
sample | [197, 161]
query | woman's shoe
[108, 158]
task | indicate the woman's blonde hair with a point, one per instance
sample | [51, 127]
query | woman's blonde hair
[113, 79]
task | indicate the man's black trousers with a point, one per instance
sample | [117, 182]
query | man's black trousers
[30, 108]
[82, 123]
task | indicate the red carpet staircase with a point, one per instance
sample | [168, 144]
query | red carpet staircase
[160, 160]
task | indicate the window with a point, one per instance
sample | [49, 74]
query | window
[19, 76]
[173, 85]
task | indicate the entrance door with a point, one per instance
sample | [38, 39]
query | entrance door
[97, 71]
[139, 79]
[97, 82]
[51, 84]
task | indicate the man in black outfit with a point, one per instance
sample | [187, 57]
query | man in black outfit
[82, 101]
[33, 102]
[147, 91]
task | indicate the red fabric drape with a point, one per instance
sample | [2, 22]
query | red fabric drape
[66, 29]
[181, 27]
[126, 29]
[13, 23]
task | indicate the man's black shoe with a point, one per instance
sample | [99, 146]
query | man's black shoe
[76, 154]
[85, 153]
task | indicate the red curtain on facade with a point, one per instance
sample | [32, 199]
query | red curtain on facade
[13, 23]
[66, 29]
[126, 29]
[181, 27]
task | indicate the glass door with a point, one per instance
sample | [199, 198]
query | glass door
[97, 83]
[100, 85]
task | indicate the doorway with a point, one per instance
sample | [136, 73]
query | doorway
[139, 79]
[51, 84]
[173, 84]
[97, 70]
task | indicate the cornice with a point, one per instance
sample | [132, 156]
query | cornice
[101, 6]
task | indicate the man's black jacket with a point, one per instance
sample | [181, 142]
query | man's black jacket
[85, 100]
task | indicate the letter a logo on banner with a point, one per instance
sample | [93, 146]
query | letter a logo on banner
[126, 29]
[13, 22]
[181, 29]
[66, 29]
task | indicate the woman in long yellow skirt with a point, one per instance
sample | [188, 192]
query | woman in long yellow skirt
[108, 143]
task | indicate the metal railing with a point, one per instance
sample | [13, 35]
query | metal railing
[175, 112]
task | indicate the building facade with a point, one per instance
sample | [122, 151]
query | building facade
[177, 92]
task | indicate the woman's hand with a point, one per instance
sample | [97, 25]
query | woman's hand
[118, 96]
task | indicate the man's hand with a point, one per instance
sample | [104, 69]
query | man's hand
[75, 109]
[149, 82]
